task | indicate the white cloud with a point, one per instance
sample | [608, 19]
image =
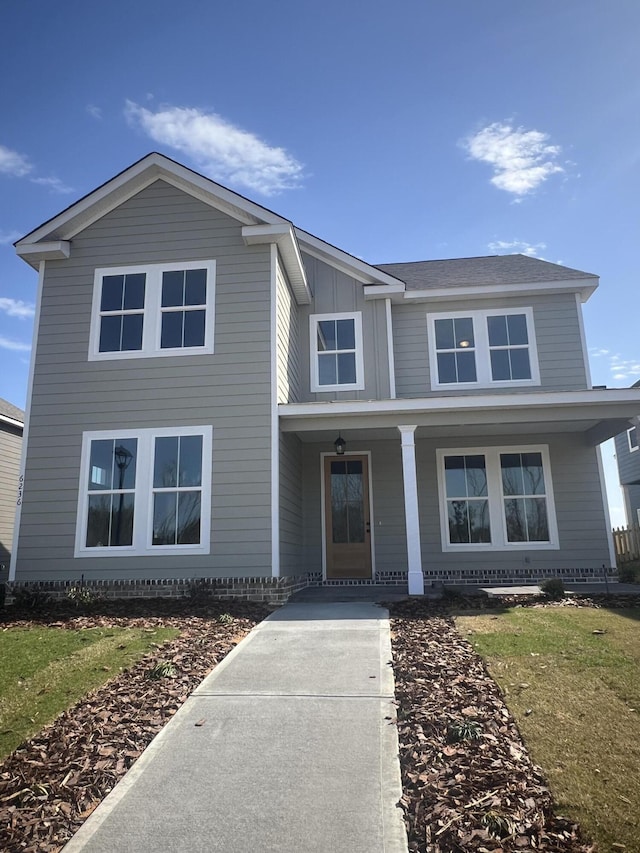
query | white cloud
[54, 184]
[626, 370]
[516, 246]
[94, 111]
[16, 346]
[16, 308]
[225, 152]
[521, 159]
[7, 237]
[12, 163]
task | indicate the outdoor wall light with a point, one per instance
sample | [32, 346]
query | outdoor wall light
[340, 445]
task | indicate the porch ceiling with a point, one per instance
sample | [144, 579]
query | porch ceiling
[597, 414]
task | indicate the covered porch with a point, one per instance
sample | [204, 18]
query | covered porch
[375, 508]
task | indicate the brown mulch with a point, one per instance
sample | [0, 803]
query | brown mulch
[52, 783]
[468, 781]
[456, 792]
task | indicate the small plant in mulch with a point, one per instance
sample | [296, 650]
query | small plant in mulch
[30, 599]
[84, 597]
[162, 669]
[224, 618]
[553, 588]
[629, 572]
[461, 730]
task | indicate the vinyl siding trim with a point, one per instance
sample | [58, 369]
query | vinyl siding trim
[275, 420]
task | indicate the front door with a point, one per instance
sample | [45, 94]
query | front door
[347, 521]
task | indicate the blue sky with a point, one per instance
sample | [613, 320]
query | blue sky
[398, 132]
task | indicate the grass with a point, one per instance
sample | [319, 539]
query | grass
[571, 678]
[43, 671]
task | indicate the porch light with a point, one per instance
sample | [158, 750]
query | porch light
[340, 445]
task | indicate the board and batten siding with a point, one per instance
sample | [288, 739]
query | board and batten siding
[336, 292]
[10, 455]
[288, 340]
[229, 389]
[291, 528]
[557, 327]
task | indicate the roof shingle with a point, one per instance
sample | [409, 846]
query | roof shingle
[493, 269]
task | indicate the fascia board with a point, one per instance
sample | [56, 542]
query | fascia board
[283, 235]
[623, 402]
[12, 421]
[585, 287]
[395, 292]
[343, 261]
[131, 181]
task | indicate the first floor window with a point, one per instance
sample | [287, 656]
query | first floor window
[496, 498]
[145, 491]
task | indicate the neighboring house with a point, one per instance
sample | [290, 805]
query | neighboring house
[201, 364]
[628, 459]
[11, 426]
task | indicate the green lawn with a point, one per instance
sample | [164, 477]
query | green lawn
[43, 671]
[571, 678]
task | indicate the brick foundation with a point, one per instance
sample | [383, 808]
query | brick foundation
[275, 590]
[515, 577]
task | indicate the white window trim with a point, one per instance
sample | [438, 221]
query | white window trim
[152, 312]
[632, 449]
[314, 319]
[482, 349]
[495, 497]
[143, 504]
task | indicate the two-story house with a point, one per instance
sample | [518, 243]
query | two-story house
[11, 427]
[218, 394]
[628, 459]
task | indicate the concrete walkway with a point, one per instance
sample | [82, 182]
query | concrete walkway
[289, 746]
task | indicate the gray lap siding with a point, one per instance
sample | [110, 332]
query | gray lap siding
[229, 390]
[558, 340]
[583, 535]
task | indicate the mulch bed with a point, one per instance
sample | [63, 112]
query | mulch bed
[468, 781]
[50, 785]
[460, 795]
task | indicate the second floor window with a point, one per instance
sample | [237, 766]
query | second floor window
[483, 348]
[336, 352]
[159, 309]
[632, 435]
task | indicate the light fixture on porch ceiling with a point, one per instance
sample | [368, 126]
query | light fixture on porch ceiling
[340, 445]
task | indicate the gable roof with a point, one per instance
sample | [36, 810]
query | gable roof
[482, 271]
[11, 413]
[53, 238]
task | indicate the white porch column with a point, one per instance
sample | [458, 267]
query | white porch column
[414, 554]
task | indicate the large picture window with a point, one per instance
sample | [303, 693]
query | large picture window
[159, 309]
[483, 348]
[145, 491]
[336, 352]
[496, 498]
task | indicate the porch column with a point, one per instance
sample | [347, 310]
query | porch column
[412, 520]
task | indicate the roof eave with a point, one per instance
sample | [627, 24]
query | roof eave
[131, 181]
[343, 261]
[585, 287]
